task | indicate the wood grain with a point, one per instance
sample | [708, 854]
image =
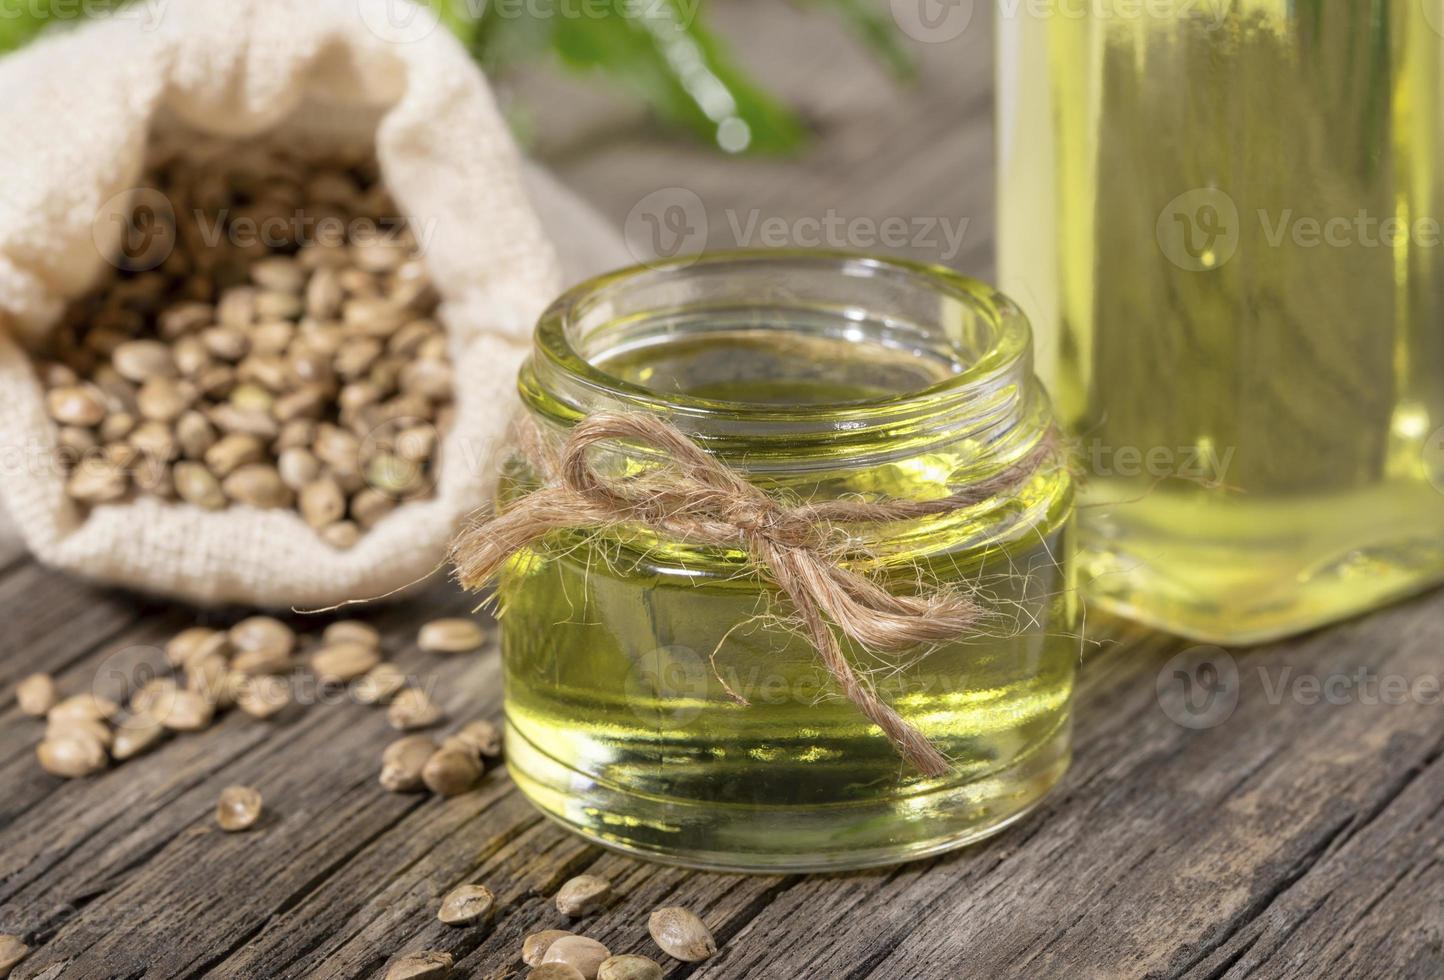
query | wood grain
[1292, 839]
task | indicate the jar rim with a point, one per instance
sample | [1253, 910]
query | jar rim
[1011, 340]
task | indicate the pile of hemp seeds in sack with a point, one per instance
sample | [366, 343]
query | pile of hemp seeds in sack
[257, 362]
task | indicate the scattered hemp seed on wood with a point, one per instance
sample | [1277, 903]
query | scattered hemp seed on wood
[403, 761]
[36, 695]
[681, 935]
[629, 967]
[239, 808]
[412, 709]
[483, 737]
[263, 633]
[265, 696]
[380, 684]
[466, 905]
[139, 734]
[198, 641]
[189, 712]
[451, 772]
[12, 951]
[341, 662]
[583, 895]
[352, 631]
[154, 698]
[421, 966]
[87, 706]
[71, 755]
[451, 636]
[534, 947]
[582, 953]
[96, 730]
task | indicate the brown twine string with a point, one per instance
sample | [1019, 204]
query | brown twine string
[698, 499]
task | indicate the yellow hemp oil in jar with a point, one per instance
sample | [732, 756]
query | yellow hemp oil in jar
[1224, 222]
[655, 704]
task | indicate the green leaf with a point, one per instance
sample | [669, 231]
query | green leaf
[24, 25]
[659, 51]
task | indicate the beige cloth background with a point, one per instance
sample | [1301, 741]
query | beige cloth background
[78, 112]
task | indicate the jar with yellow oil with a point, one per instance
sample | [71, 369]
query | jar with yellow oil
[660, 698]
[1224, 221]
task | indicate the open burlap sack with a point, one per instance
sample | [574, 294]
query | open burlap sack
[78, 113]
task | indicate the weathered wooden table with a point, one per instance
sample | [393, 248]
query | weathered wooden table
[1300, 835]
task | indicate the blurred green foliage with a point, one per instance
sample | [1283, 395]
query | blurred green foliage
[659, 51]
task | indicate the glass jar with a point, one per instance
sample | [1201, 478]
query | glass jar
[655, 702]
[1224, 221]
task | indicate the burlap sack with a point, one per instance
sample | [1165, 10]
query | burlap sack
[77, 114]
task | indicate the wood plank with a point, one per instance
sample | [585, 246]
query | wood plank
[1163, 843]
[139, 840]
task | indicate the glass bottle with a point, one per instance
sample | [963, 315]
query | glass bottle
[1223, 220]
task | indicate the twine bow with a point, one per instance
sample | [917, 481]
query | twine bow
[697, 498]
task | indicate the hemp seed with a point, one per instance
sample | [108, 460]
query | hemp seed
[379, 685]
[629, 967]
[451, 636]
[36, 695]
[412, 709]
[681, 935]
[71, 755]
[421, 966]
[189, 711]
[263, 634]
[481, 738]
[534, 947]
[87, 706]
[352, 631]
[583, 895]
[154, 698]
[97, 731]
[263, 696]
[338, 663]
[466, 905]
[451, 772]
[194, 642]
[403, 762]
[239, 808]
[12, 951]
[584, 955]
[137, 735]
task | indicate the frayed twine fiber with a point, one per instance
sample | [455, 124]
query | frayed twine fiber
[696, 498]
